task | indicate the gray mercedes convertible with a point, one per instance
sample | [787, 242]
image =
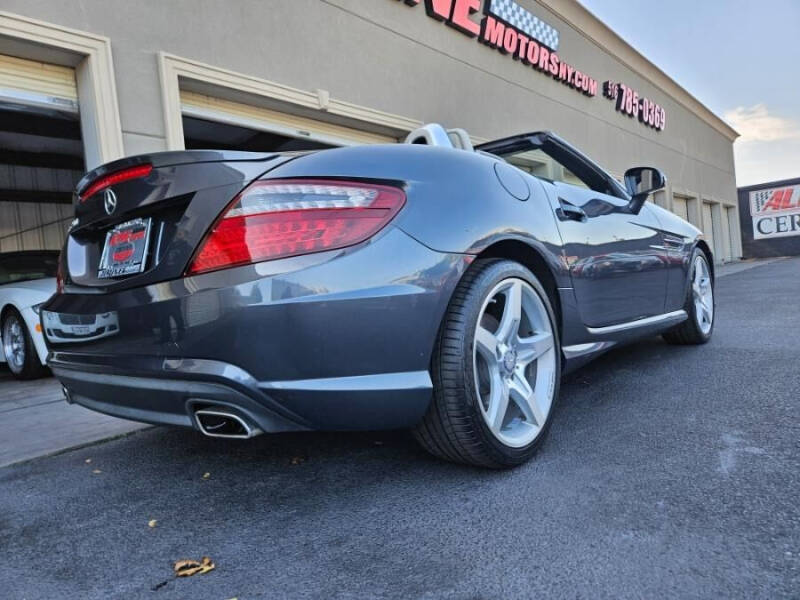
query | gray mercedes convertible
[430, 285]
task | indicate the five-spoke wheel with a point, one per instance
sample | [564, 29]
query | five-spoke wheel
[495, 370]
[703, 294]
[514, 362]
[699, 305]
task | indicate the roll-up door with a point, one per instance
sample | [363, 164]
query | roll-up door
[29, 82]
[708, 228]
[41, 153]
[680, 207]
[246, 117]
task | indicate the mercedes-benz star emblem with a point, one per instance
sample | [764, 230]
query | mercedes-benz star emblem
[110, 201]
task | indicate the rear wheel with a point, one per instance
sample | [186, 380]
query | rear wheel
[697, 329]
[496, 369]
[18, 348]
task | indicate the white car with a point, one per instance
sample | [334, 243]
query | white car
[27, 279]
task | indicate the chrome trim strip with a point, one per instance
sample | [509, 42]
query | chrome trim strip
[411, 380]
[677, 316]
[578, 350]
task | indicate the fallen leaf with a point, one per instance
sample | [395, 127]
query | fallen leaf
[189, 567]
[152, 523]
[88, 460]
[95, 471]
[206, 475]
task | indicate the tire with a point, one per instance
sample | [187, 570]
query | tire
[696, 329]
[468, 369]
[18, 348]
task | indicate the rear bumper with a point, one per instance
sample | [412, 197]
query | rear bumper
[170, 392]
[333, 341]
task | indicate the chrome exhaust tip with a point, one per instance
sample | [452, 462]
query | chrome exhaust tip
[221, 424]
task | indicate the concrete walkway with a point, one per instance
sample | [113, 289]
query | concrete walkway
[36, 421]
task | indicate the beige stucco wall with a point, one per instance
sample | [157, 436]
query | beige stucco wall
[391, 57]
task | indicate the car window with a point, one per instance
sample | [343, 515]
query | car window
[538, 163]
[28, 266]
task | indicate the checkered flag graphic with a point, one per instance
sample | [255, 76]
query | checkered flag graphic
[513, 14]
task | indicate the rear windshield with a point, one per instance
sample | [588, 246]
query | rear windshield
[28, 266]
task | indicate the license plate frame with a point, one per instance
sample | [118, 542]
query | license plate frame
[125, 249]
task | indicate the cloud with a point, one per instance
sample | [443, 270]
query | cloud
[756, 124]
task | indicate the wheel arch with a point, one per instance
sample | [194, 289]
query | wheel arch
[6, 310]
[703, 246]
[534, 260]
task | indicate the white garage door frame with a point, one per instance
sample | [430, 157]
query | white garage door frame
[90, 54]
[178, 73]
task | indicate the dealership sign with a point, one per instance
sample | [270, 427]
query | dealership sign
[521, 35]
[775, 212]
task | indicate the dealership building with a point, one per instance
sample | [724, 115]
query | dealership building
[88, 83]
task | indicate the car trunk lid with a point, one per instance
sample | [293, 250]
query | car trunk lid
[144, 226]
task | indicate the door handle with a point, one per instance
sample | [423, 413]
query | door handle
[570, 212]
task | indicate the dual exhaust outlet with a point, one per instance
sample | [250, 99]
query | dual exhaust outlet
[219, 423]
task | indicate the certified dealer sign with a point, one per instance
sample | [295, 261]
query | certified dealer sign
[775, 212]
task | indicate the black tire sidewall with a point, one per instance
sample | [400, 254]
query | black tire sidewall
[488, 279]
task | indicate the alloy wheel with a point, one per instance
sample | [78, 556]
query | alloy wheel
[703, 294]
[14, 343]
[514, 362]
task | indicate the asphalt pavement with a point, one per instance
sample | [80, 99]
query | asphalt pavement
[669, 472]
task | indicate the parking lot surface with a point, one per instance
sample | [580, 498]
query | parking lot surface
[669, 471]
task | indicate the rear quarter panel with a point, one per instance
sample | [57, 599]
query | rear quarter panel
[456, 202]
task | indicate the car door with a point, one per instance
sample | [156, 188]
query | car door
[616, 257]
[619, 272]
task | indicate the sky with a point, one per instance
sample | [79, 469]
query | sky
[741, 58]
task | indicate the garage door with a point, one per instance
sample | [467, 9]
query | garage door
[680, 207]
[708, 228]
[41, 153]
[33, 83]
[732, 222]
[283, 125]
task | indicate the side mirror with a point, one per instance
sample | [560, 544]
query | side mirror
[640, 183]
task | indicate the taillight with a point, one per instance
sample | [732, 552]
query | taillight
[114, 178]
[281, 218]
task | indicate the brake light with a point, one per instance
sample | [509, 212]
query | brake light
[114, 178]
[281, 218]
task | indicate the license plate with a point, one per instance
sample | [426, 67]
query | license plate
[125, 250]
[80, 329]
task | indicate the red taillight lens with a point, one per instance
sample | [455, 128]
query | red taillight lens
[116, 177]
[281, 218]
